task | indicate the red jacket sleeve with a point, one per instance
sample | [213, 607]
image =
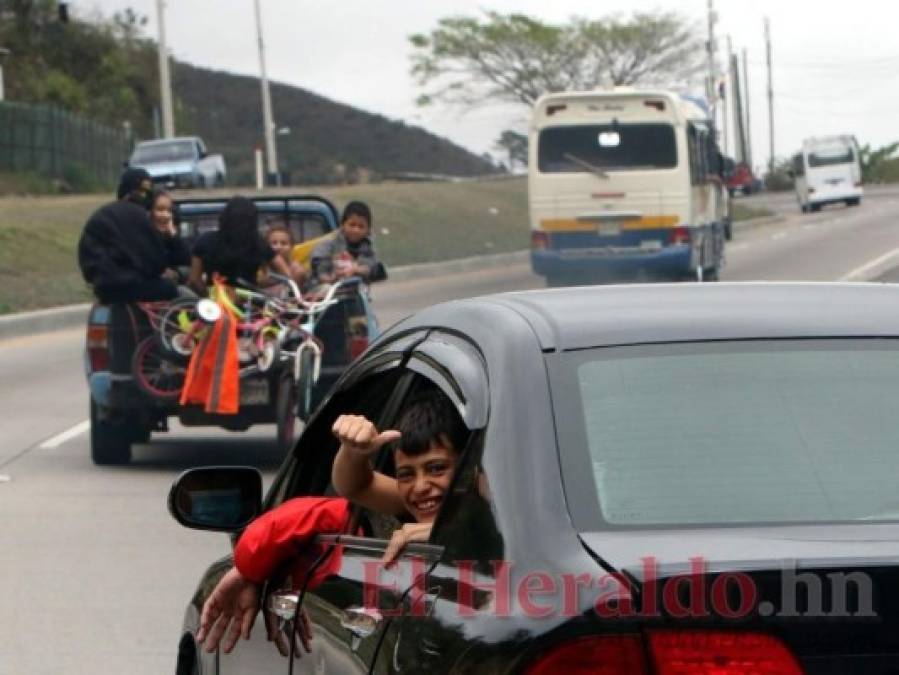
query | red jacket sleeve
[287, 532]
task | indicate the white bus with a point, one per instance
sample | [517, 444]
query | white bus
[827, 170]
[624, 184]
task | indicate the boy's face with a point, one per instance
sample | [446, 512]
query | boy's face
[423, 480]
[280, 243]
[355, 229]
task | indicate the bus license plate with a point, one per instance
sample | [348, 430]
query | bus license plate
[254, 393]
[607, 229]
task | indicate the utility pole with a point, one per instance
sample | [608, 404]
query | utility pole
[728, 102]
[710, 49]
[267, 121]
[770, 96]
[748, 107]
[165, 79]
[740, 154]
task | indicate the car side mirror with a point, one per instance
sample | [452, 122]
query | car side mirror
[218, 498]
[125, 164]
[378, 273]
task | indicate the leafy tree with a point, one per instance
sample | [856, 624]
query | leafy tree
[516, 58]
[515, 145]
[878, 165]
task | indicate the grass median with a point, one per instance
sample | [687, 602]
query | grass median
[413, 222]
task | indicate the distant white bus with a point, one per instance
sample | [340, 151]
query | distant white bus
[622, 184]
[827, 170]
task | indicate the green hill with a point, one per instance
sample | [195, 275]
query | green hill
[328, 141]
[106, 70]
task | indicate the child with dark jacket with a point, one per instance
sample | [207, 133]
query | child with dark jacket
[348, 254]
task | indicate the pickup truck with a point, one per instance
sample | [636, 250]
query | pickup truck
[123, 413]
[179, 163]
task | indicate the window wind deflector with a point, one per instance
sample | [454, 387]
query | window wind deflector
[456, 366]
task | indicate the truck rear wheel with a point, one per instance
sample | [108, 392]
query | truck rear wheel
[110, 439]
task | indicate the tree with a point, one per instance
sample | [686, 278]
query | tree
[876, 163]
[515, 145]
[516, 58]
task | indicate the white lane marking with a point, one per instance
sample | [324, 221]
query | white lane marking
[779, 235]
[738, 247]
[66, 435]
[5, 478]
[859, 272]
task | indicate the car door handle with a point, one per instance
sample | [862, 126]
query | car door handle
[361, 622]
[283, 604]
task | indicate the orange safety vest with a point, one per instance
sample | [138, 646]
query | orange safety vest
[213, 374]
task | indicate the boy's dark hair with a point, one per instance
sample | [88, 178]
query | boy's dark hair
[357, 209]
[430, 418]
[279, 226]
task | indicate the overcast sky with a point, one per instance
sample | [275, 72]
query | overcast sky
[836, 65]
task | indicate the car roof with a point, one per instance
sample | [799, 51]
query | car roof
[600, 316]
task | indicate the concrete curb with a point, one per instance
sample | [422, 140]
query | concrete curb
[61, 318]
[42, 320]
[458, 265]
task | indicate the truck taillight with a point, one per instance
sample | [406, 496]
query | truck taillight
[858, 183]
[98, 347]
[356, 345]
[811, 190]
[669, 652]
[680, 235]
[539, 240]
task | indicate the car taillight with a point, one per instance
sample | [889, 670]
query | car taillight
[539, 240]
[680, 235]
[98, 347]
[356, 345]
[720, 653]
[600, 655]
[670, 652]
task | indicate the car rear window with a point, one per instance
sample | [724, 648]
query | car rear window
[736, 433]
[303, 227]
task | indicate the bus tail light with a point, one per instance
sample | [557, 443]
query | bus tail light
[98, 347]
[669, 652]
[539, 240]
[680, 235]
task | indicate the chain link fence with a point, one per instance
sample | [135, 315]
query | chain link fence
[51, 142]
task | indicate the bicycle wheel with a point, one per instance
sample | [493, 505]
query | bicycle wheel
[179, 329]
[155, 373]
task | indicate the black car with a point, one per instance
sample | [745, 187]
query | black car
[658, 479]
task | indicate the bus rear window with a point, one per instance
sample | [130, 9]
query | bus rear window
[619, 147]
[829, 156]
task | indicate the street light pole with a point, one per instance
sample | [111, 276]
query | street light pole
[4, 52]
[165, 80]
[267, 121]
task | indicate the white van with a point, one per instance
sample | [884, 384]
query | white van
[827, 170]
[623, 184]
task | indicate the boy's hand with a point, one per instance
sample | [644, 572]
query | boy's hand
[360, 437]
